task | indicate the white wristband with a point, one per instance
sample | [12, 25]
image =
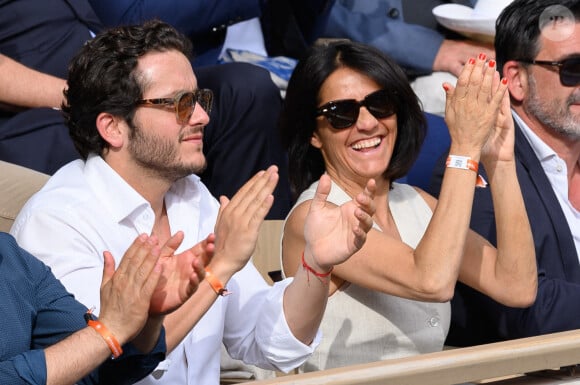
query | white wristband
[462, 162]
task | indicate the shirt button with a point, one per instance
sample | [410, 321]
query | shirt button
[559, 168]
[393, 13]
[219, 28]
[434, 322]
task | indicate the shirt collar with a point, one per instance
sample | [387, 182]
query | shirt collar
[122, 201]
[113, 192]
[542, 150]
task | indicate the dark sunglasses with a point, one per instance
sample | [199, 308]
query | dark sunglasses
[569, 69]
[344, 113]
[183, 103]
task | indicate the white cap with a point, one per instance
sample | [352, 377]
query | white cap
[477, 22]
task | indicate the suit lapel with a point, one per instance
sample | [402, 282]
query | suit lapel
[530, 168]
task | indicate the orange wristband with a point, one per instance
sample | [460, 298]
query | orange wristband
[311, 270]
[215, 283]
[109, 338]
[463, 162]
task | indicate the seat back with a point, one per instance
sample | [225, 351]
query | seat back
[17, 185]
[266, 257]
[436, 143]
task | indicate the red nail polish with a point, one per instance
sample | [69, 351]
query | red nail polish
[491, 63]
[504, 80]
[482, 56]
[471, 61]
[445, 87]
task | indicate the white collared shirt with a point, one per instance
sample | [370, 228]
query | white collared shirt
[557, 172]
[87, 208]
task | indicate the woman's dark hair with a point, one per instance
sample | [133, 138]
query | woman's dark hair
[102, 78]
[518, 27]
[298, 121]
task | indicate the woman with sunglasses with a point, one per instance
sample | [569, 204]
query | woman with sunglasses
[350, 113]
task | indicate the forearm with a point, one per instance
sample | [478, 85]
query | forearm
[305, 301]
[147, 339]
[179, 323]
[75, 357]
[439, 254]
[25, 87]
[515, 265]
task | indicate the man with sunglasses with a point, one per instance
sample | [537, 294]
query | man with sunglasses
[137, 115]
[41, 36]
[538, 47]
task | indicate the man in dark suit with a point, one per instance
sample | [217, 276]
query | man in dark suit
[288, 27]
[44, 35]
[538, 47]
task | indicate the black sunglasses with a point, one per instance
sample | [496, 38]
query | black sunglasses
[183, 103]
[344, 113]
[569, 69]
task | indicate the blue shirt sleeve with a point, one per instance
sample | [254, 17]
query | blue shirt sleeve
[38, 312]
[411, 46]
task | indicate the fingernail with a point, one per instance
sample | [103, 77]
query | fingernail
[504, 80]
[492, 63]
[482, 56]
[471, 61]
[445, 87]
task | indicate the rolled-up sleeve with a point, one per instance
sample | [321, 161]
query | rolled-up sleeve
[256, 329]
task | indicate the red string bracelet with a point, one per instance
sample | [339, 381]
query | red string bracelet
[311, 270]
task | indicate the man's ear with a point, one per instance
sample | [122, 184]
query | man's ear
[112, 129]
[315, 140]
[517, 77]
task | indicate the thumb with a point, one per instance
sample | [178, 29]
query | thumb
[108, 267]
[322, 191]
[224, 201]
[449, 92]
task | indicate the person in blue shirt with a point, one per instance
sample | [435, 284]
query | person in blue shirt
[46, 336]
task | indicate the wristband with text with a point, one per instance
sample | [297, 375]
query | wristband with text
[466, 163]
[463, 162]
[109, 338]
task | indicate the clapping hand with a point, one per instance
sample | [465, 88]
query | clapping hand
[500, 143]
[181, 274]
[334, 233]
[239, 219]
[149, 281]
[473, 106]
